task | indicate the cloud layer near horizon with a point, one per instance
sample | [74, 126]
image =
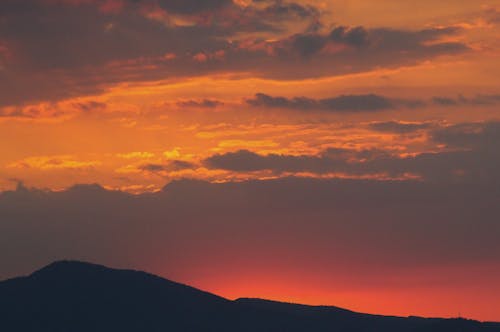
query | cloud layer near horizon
[333, 229]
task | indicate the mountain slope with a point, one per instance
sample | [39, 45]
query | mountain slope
[74, 296]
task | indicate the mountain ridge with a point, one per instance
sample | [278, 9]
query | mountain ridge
[79, 296]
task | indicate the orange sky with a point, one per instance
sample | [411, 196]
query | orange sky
[232, 91]
[104, 137]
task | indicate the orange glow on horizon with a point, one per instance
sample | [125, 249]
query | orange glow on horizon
[417, 294]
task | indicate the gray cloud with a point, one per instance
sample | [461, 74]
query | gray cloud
[245, 160]
[478, 100]
[472, 157]
[307, 44]
[84, 49]
[171, 166]
[90, 106]
[343, 103]
[193, 6]
[399, 127]
[357, 36]
[361, 231]
[368, 103]
[492, 15]
[479, 136]
[329, 161]
[378, 40]
[204, 103]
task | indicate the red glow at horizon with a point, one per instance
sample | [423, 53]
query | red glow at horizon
[469, 295]
[413, 302]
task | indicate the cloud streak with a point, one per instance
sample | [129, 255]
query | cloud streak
[343, 103]
[366, 103]
[88, 61]
[472, 156]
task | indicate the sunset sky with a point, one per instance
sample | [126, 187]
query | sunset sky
[341, 152]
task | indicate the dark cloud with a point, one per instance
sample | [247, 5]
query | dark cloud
[153, 167]
[204, 103]
[174, 6]
[412, 40]
[444, 101]
[472, 156]
[378, 40]
[367, 103]
[268, 16]
[399, 127]
[492, 15]
[357, 36]
[84, 49]
[343, 103]
[171, 166]
[193, 6]
[330, 160]
[479, 136]
[287, 9]
[90, 106]
[478, 100]
[449, 166]
[245, 160]
[333, 228]
[308, 44]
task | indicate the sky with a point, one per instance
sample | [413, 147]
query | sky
[338, 152]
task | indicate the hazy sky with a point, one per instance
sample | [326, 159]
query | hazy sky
[339, 152]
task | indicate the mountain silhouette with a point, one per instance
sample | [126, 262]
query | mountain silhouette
[74, 296]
